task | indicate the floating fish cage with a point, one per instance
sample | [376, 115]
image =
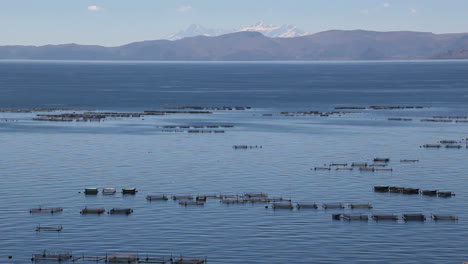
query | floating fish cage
[390, 169]
[41, 210]
[251, 195]
[201, 198]
[454, 146]
[381, 188]
[395, 189]
[385, 217]
[409, 160]
[414, 217]
[92, 210]
[381, 160]
[449, 141]
[348, 169]
[333, 206]
[231, 201]
[192, 203]
[445, 194]
[366, 169]
[157, 198]
[359, 164]
[125, 211]
[122, 258]
[109, 191]
[182, 197]
[306, 206]
[91, 191]
[40, 228]
[355, 217]
[322, 168]
[429, 192]
[339, 164]
[431, 146]
[189, 261]
[129, 191]
[360, 206]
[336, 216]
[48, 256]
[444, 217]
[410, 191]
[282, 206]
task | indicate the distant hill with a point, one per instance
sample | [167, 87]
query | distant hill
[251, 46]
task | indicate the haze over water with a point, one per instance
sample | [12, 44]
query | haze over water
[49, 163]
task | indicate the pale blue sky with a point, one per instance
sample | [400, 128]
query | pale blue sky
[116, 22]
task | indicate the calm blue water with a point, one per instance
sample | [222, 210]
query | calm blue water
[49, 163]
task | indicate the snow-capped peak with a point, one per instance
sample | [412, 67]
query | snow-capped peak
[272, 31]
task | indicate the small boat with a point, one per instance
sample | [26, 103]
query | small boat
[157, 198]
[92, 210]
[91, 191]
[125, 211]
[109, 191]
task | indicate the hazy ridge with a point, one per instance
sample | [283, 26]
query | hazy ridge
[253, 46]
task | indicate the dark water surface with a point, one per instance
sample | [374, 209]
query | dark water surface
[49, 163]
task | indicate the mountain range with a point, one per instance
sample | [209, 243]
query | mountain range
[254, 46]
[272, 31]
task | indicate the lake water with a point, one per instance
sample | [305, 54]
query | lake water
[50, 163]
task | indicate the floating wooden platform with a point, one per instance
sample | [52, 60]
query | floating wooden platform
[40, 228]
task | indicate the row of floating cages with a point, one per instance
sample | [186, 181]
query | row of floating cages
[114, 258]
[448, 146]
[325, 206]
[109, 191]
[370, 168]
[393, 217]
[408, 190]
[85, 210]
[252, 196]
[125, 211]
[46, 210]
